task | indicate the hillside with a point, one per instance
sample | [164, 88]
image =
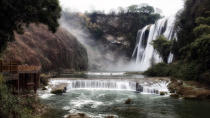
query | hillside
[38, 46]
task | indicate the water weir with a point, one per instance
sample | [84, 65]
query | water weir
[120, 85]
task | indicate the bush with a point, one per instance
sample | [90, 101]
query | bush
[163, 47]
[10, 105]
[161, 69]
[185, 71]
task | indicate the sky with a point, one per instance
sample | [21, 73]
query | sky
[168, 7]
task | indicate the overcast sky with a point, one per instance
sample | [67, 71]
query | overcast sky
[168, 7]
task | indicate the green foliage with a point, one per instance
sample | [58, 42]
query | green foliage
[196, 12]
[191, 50]
[16, 13]
[11, 106]
[163, 47]
[161, 70]
[141, 9]
[185, 71]
[203, 20]
[200, 51]
[201, 30]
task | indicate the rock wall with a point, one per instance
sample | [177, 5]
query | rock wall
[38, 46]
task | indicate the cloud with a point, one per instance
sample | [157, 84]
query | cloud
[167, 6]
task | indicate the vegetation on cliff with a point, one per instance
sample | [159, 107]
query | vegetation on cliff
[163, 47]
[122, 26]
[191, 50]
[16, 13]
[53, 52]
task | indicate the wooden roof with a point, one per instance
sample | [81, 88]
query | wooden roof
[27, 68]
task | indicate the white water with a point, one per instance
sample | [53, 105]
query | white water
[105, 73]
[105, 84]
[145, 54]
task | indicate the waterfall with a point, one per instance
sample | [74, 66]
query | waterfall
[124, 85]
[144, 53]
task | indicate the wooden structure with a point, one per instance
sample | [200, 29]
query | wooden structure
[20, 77]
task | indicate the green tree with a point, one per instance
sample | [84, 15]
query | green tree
[195, 12]
[163, 47]
[15, 14]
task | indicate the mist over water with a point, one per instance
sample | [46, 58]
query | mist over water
[100, 58]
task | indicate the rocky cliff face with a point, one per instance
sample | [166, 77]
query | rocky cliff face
[38, 46]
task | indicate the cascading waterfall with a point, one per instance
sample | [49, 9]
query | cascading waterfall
[144, 53]
[147, 88]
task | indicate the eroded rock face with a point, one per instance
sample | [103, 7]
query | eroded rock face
[38, 46]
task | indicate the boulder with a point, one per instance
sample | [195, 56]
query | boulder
[163, 93]
[139, 88]
[59, 89]
[174, 95]
[128, 101]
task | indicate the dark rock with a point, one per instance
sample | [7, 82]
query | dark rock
[44, 88]
[163, 93]
[139, 88]
[128, 101]
[174, 95]
[59, 89]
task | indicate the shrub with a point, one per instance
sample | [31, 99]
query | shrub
[161, 69]
[10, 105]
[186, 71]
[163, 47]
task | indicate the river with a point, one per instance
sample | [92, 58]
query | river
[104, 94]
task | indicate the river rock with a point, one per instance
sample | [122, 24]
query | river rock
[128, 101]
[139, 88]
[78, 115]
[59, 89]
[189, 90]
[163, 93]
[174, 95]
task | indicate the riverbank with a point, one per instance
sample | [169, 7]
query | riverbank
[189, 89]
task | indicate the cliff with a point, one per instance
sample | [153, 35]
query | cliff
[37, 46]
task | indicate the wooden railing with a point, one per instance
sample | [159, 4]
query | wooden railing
[14, 67]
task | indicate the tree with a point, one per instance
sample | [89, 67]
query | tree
[195, 12]
[15, 14]
[163, 47]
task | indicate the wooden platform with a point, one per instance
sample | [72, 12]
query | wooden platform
[19, 77]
